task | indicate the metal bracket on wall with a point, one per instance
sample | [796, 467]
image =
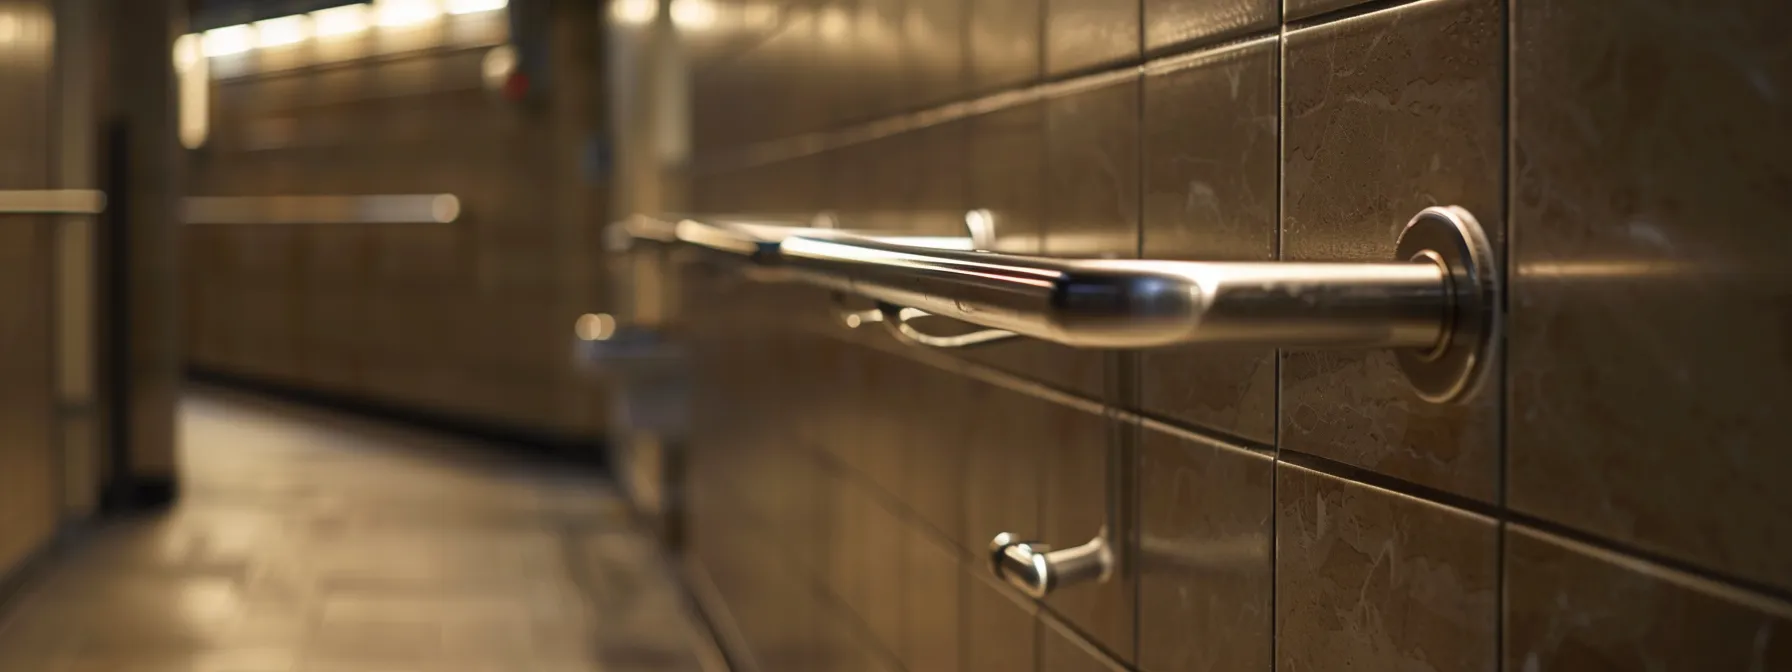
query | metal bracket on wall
[53, 202]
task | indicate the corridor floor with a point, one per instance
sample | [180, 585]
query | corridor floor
[308, 541]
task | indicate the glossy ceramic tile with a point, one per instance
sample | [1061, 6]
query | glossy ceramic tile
[1005, 175]
[773, 608]
[1370, 579]
[932, 637]
[879, 69]
[1084, 476]
[1000, 632]
[884, 424]
[1210, 195]
[1574, 607]
[939, 196]
[1091, 202]
[1648, 374]
[312, 541]
[872, 184]
[947, 408]
[934, 46]
[1004, 40]
[1002, 467]
[28, 458]
[1205, 572]
[1301, 9]
[1388, 113]
[1062, 649]
[1084, 34]
[1175, 22]
[874, 558]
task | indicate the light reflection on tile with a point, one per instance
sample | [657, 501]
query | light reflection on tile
[315, 542]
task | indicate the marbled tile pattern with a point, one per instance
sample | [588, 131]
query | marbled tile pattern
[1205, 569]
[1091, 204]
[1573, 607]
[1003, 45]
[1370, 579]
[1173, 22]
[1645, 166]
[1082, 34]
[1388, 113]
[1210, 193]
[1650, 371]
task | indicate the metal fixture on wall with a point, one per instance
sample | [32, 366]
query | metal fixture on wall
[52, 202]
[1433, 304]
[1037, 570]
[360, 209]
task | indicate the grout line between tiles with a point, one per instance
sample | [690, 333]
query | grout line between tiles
[1275, 505]
[1503, 400]
[1497, 513]
[1345, 13]
[834, 603]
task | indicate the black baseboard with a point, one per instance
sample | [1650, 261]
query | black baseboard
[584, 452]
[140, 494]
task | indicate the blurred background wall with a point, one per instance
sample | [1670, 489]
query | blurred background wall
[471, 319]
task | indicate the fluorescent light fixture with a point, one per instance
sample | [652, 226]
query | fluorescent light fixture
[475, 6]
[634, 12]
[186, 52]
[339, 21]
[397, 13]
[193, 80]
[282, 31]
[694, 14]
[228, 40]
[834, 24]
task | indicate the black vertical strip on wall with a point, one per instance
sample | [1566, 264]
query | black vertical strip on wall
[115, 318]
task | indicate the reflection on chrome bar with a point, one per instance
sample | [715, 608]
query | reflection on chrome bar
[369, 209]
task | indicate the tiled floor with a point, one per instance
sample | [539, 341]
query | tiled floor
[313, 542]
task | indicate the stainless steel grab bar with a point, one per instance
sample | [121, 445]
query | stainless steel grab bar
[52, 202]
[1433, 303]
[336, 209]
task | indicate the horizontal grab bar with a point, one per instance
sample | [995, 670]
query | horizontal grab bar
[1433, 303]
[334, 209]
[1145, 304]
[52, 202]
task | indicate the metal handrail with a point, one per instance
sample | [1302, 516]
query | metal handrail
[1433, 304]
[52, 202]
[324, 209]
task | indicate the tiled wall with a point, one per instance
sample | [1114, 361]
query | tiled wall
[472, 318]
[1614, 500]
[29, 469]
